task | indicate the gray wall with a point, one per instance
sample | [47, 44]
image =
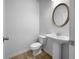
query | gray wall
[72, 29]
[21, 25]
[65, 51]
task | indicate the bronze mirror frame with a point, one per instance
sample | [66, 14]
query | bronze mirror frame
[67, 15]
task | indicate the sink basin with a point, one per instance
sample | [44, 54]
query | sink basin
[58, 38]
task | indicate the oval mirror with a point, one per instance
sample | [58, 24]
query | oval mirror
[61, 15]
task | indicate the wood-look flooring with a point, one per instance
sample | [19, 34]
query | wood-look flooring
[28, 55]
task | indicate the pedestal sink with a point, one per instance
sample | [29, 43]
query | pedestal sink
[57, 40]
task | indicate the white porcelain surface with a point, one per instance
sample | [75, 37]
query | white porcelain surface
[35, 46]
[60, 39]
[42, 36]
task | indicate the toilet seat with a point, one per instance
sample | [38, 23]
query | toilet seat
[35, 45]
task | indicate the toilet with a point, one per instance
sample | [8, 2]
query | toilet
[37, 46]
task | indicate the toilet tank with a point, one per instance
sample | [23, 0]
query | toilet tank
[43, 40]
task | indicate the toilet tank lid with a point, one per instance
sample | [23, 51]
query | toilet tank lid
[42, 36]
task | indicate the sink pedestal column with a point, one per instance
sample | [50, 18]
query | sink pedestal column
[56, 50]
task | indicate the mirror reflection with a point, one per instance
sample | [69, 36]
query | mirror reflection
[61, 15]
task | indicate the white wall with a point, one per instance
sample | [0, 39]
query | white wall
[46, 8]
[21, 25]
[46, 24]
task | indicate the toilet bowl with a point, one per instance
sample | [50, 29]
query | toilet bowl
[37, 46]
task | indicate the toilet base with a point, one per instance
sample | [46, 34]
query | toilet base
[37, 52]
